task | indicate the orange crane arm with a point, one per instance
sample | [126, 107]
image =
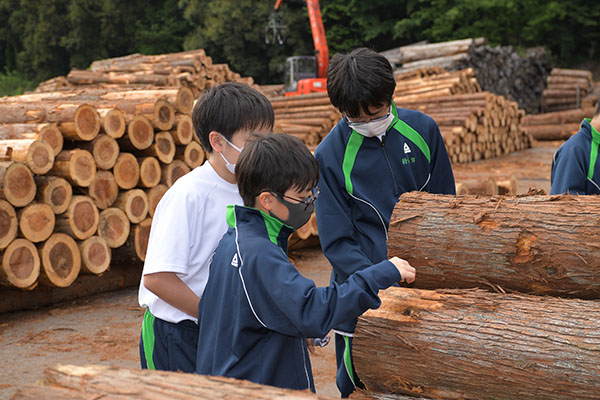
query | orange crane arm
[319, 39]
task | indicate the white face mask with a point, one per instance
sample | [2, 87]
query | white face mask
[373, 128]
[230, 167]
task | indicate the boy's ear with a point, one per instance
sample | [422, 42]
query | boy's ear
[216, 141]
[265, 200]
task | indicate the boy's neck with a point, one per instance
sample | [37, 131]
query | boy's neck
[595, 122]
[219, 166]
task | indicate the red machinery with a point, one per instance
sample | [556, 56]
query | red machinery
[304, 74]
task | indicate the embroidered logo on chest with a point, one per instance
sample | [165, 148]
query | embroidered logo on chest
[234, 260]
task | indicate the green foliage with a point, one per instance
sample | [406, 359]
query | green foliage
[12, 84]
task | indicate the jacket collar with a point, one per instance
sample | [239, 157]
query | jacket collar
[276, 230]
[587, 127]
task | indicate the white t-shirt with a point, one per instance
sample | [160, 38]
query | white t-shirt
[188, 224]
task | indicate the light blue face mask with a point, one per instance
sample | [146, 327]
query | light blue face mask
[230, 167]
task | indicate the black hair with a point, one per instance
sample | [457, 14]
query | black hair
[360, 80]
[274, 162]
[228, 108]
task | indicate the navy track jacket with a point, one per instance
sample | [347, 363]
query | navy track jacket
[257, 310]
[574, 166]
[361, 180]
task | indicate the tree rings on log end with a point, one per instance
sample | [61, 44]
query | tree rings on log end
[95, 255]
[40, 157]
[53, 136]
[81, 218]
[164, 115]
[141, 235]
[185, 130]
[193, 155]
[54, 191]
[185, 100]
[154, 195]
[114, 123]
[36, 222]
[86, 124]
[113, 227]
[104, 190]
[105, 151]
[140, 132]
[8, 224]
[164, 147]
[21, 264]
[126, 171]
[135, 205]
[173, 171]
[150, 172]
[17, 183]
[61, 260]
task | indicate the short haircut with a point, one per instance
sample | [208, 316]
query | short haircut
[274, 162]
[228, 108]
[360, 80]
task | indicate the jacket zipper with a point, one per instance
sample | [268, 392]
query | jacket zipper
[387, 160]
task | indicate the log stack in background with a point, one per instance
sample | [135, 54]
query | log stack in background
[566, 89]
[557, 125]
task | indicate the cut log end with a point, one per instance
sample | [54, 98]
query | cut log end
[40, 157]
[114, 123]
[140, 132]
[172, 172]
[104, 189]
[95, 255]
[154, 195]
[150, 172]
[20, 264]
[8, 224]
[185, 100]
[185, 130]
[105, 151]
[81, 218]
[164, 115]
[141, 236]
[134, 203]
[36, 222]
[113, 227]
[53, 136]
[61, 260]
[192, 155]
[18, 186]
[126, 171]
[54, 191]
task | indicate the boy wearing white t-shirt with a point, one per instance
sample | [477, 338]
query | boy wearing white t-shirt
[188, 224]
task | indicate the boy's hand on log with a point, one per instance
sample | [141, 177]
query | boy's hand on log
[406, 271]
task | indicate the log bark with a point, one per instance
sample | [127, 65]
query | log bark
[104, 149]
[192, 155]
[77, 166]
[20, 265]
[103, 190]
[499, 346]
[150, 172]
[184, 131]
[37, 154]
[134, 203]
[140, 134]
[54, 191]
[154, 195]
[95, 256]
[98, 381]
[113, 227]
[36, 222]
[544, 245]
[551, 132]
[80, 220]
[163, 148]
[61, 260]
[48, 133]
[8, 224]
[16, 183]
[172, 172]
[126, 171]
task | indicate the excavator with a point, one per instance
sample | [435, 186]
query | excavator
[303, 74]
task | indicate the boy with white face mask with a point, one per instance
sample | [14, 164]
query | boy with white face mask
[188, 224]
[373, 155]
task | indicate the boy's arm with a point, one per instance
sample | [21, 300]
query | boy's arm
[568, 173]
[174, 291]
[442, 178]
[290, 304]
[336, 231]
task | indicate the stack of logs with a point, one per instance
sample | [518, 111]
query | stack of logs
[566, 89]
[475, 125]
[83, 172]
[558, 125]
[434, 82]
[192, 69]
[532, 335]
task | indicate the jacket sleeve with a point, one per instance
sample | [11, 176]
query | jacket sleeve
[568, 171]
[442, 177]
[334, 222]
[292, 305]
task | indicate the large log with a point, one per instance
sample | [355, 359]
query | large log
[471, 344]
[552, 132]
[103, 190]
[163, 148]
[95, 256]
[137, 244]
[99, 381]
[134, 203]
[113, 227]
[172, 172]
[45, 132]
[113, 122]
[8, 224]
[36, 222]
[37, 154]
[103, 148]
[126, 171]
[192, 154]
[536, 244]
[20, 265]
[154, 195]
[140, 134]
[184, 131]
[54, 191]
[61, 260]
[150, 172]
[16, 183]
[80, 220]
[77, 166]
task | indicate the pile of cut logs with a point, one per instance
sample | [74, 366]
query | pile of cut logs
[532, 335]
[558, 125]
[81, 176]
[192, 69]
[566, 89]
[434, 82]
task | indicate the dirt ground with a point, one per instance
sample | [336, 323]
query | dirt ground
[104, 328]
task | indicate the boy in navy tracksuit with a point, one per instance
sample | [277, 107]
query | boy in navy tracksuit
[257, 310]
[575, 168]
[372, 156]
